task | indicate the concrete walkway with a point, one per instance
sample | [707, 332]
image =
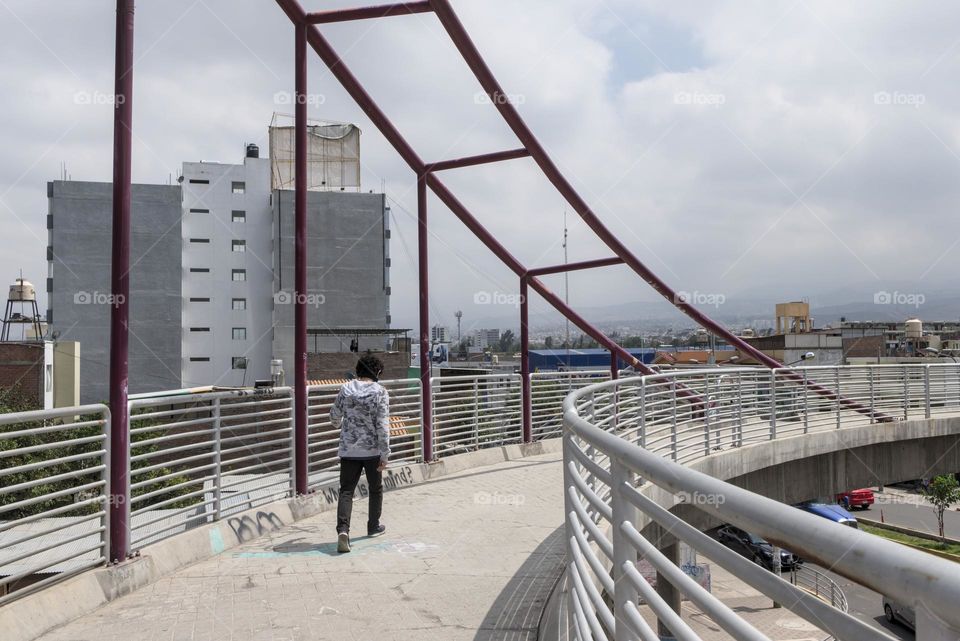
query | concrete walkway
[473, 555]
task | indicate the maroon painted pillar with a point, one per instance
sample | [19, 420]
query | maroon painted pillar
[525, 386]
[300, 260]
[614, 366]
[424, 275]
[119, 499]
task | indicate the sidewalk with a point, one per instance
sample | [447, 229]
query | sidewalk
[779, 624]
[471, 555]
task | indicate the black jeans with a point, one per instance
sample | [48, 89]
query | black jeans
[350, 469]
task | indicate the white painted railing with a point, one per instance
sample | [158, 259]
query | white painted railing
[54, 492]
[650, 428]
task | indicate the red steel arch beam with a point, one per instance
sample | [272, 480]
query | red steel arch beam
[362, 13]
[455, 29]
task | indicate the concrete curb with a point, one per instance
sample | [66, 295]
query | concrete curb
[914, 533]
[29, 617]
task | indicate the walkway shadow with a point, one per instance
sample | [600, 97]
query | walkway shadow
[515, 614]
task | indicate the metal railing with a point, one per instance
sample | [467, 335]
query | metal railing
[196, 458]
[819, 585]
[54, 491]
[619, 432]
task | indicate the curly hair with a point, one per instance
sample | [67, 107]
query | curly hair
[369, 366]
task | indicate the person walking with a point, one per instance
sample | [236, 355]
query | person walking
[361, 412]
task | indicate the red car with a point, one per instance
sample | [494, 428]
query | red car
[856, 499]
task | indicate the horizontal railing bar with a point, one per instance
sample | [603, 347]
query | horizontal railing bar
[365, 13]
[482, 159]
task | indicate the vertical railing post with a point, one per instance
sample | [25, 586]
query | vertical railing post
[300, 262]
[293, 457]
[926, 391]
[624, 554]
[773, 404]
[614, 391]
[738, 438]
[836, 378]
[873, 402]
[706, 417]
[673, 423]
[217, 463]
[476, 412]
[526, 385]
[120, 283]
[906, 393]
[567, 444]
[806, 404]
[424, 282]
[643, 413]
[108, 496]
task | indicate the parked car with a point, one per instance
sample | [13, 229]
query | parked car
[833, 512]
[755, 548]
[896, 612]
[856, 499]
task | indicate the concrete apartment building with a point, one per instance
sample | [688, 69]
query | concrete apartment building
[348, 271]
[212, 275]
[79, 224]
[227, 276]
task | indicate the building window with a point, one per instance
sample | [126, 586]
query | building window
[199, 211]
[239, 245]
[239, 275]
[239, 333]
[199, 181]
[238, 187]
[239, 304]
[199, 329]
[239, 216]
[200, 240]
[199, 359]
[239, 362]
[199, 300]
[199, 270]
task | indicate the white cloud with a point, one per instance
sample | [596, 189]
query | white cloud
[777, 101]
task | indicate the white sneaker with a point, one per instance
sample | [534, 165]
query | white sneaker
[343, 542]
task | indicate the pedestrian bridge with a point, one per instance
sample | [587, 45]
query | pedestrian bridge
[495, 538]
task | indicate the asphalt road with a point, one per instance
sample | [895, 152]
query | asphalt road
[910, 510]
[867, 606]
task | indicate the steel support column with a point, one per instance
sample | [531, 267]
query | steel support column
[119, 504]
[423, 240]
[525, 383]
[300, 439]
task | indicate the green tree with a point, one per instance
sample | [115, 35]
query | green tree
[942, 492]
[506, 341]
[548, 342]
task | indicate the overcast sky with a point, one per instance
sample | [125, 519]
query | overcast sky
[739, 148]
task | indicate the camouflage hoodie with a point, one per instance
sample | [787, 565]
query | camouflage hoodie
[361, 412]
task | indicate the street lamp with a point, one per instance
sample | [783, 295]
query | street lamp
[806, 357]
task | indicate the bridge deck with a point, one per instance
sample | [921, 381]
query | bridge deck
[471, 555]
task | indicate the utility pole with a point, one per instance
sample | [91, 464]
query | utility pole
[566, 285]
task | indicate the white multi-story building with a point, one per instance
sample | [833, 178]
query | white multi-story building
[486, 338]
[227, 285]
[439, 334]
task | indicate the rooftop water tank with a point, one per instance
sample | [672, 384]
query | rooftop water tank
[253, 151]
[914, 328]
[22, 290]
